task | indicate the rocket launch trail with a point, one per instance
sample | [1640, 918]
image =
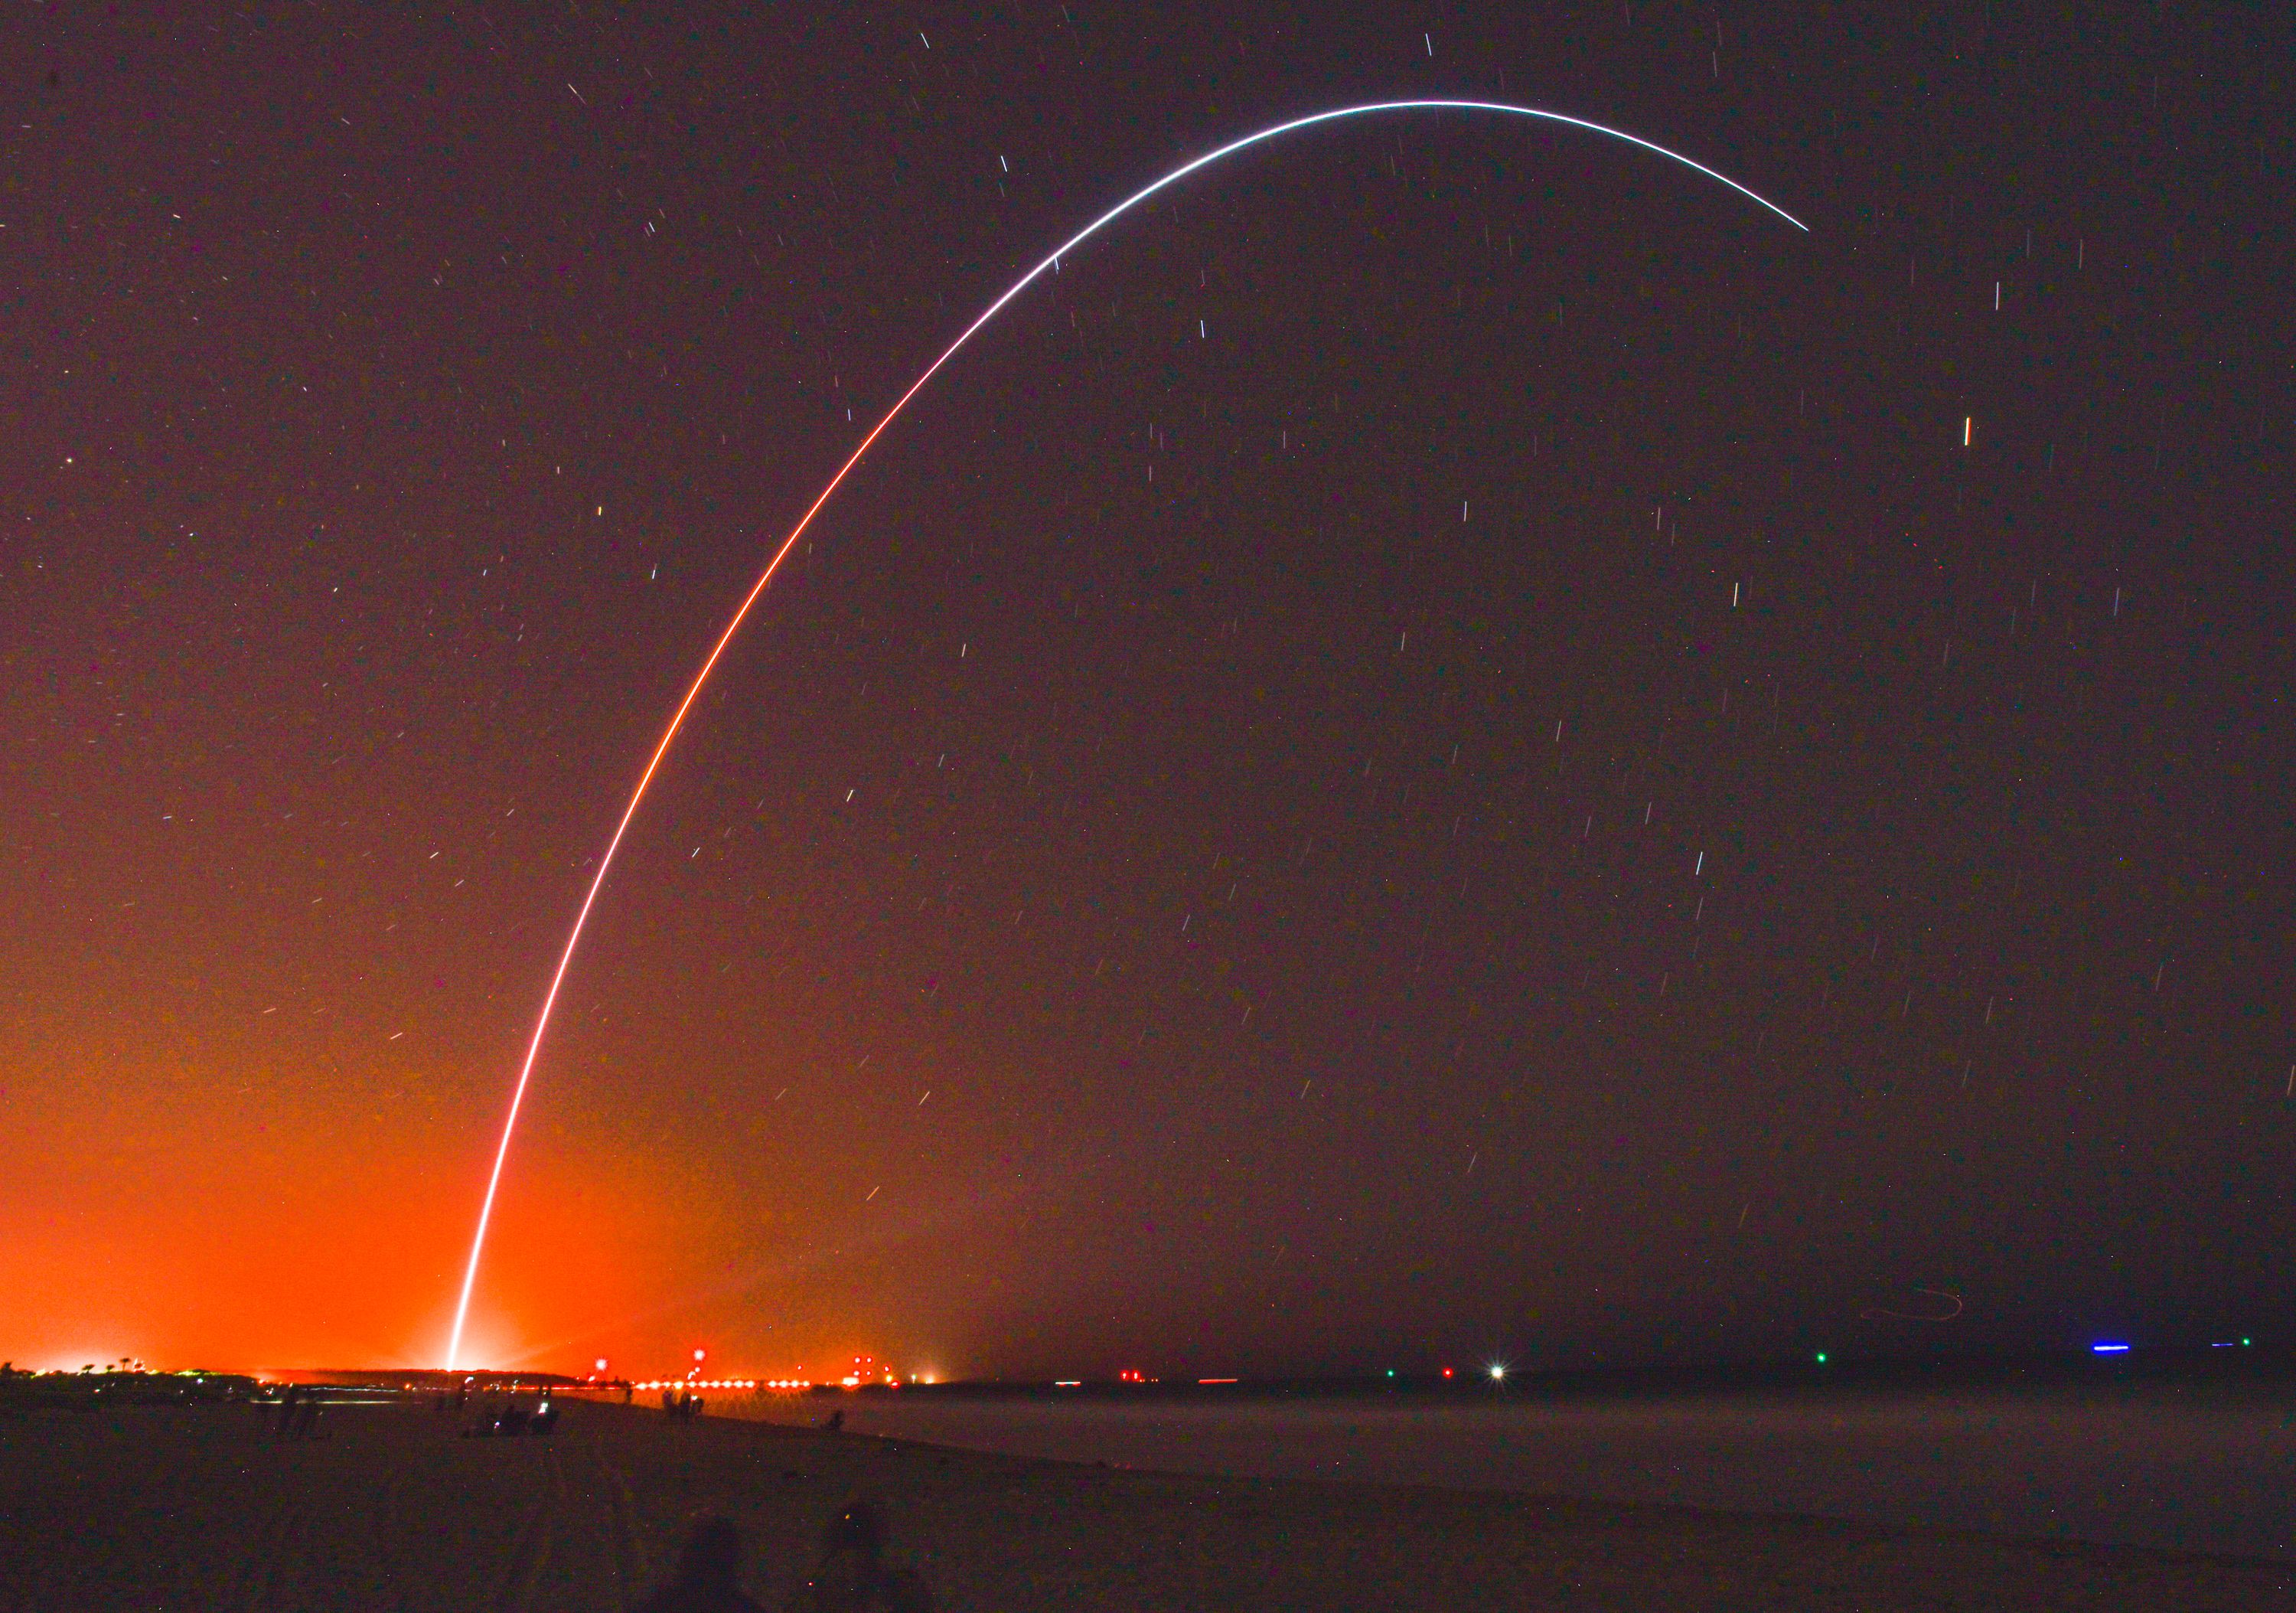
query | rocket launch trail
[788, 543]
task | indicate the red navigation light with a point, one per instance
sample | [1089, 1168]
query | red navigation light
[1446, 1371]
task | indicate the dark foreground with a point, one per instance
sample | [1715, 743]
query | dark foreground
[199, 1507]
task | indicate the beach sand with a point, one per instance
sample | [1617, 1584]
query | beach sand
[198, 1507]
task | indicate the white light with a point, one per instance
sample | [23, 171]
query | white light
[1499, 1372]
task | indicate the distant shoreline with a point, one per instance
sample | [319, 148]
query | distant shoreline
[2236, 1364]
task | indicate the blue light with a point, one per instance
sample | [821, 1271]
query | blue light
[2110, 1349]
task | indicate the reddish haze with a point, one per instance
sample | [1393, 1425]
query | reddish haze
[215, 1236]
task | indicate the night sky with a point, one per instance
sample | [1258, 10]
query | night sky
[1439, 751]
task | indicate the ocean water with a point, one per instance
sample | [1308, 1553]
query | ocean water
[2195, 1469]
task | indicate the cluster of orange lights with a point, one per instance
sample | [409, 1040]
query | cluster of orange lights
[849, 1380]
[865, 1372]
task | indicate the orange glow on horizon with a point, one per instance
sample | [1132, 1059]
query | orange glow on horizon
[270, 1239]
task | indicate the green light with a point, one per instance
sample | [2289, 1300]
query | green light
[1821, 1358]
[1390, 1371]
[2244, 1344]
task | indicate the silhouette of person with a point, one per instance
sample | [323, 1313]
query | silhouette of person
[288, 1408]
[835, 1421]
[709, 1574]
[851, 1576]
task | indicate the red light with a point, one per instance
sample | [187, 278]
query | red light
[1446, 1371]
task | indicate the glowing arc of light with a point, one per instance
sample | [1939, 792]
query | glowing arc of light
[1051, 260]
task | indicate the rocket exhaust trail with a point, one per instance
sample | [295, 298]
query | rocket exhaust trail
[677, 719]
